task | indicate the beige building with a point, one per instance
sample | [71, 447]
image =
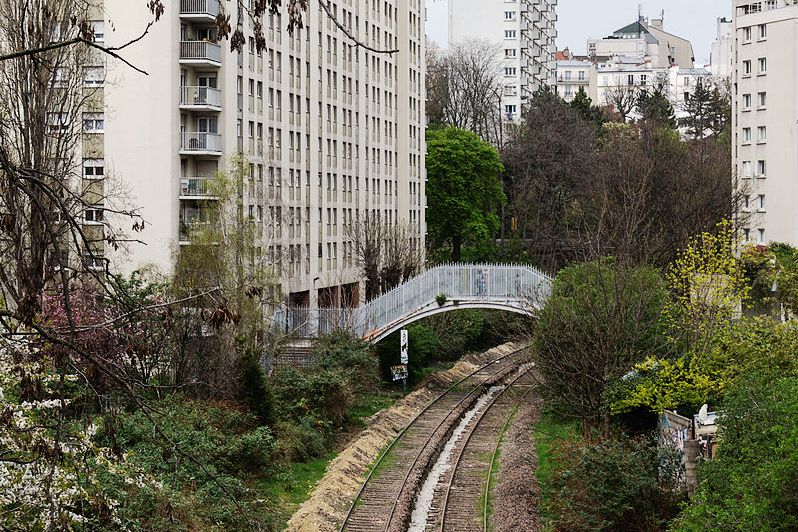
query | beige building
[524, 31]
[765, 118]
[645, 40]
[331, 132]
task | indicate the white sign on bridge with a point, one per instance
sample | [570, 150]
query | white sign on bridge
[403, 346]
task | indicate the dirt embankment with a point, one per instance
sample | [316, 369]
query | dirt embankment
[332, 496]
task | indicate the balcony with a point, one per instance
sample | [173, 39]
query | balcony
[197, 188]
[199, 10]
[200, 143]
[200, 98]
[200, 53]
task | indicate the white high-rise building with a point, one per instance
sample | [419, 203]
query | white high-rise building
[331, 132]
[765, 118]
[720, 63]
[524, 30]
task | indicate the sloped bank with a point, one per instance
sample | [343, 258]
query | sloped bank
[332, 496]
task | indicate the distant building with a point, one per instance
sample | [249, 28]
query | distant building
[720, 63]
[645, 39]
[765, 118]
[525, 31]
[573, 74]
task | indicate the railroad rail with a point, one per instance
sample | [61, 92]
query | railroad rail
[375, 506]
[470, 476]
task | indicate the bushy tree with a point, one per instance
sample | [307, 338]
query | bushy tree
[655, 108]
[751, 482]
[601, 318]
[618, 484]
[464, 191]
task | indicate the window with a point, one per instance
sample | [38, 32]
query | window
[746, 102]
[568, 75]
[747, 169]
[57, 122]
[509, 34]
[763, 65]
[747, 34]
[509, 15]
[93, 123]
[760, 203]
[60, 77]
[93, 215]
[746, 205]
[643, 79]
[93, 76]
[93, 168]
[98, 27]
[761, 169]
[511, 90]
[509, 71]
[510, 52]
[761, 235]
[581, 76]
[763, 100]
[747, 68]
[510, 110]
[94, 261]
[630, 80]
[762, 134]
[746, 134]
[763, 31]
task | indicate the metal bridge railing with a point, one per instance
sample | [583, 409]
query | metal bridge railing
[518, 285]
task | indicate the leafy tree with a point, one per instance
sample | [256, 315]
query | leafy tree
[708, 286]
[654, 108]
[708, 112]
[751, 483]
[601, 318]
[583, 105]
[463, 189]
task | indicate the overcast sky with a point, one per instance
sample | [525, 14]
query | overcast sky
[581, 19]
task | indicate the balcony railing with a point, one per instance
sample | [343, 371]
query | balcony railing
[204, 8]
[197, 187]
[200, 142]
[201, 97]
[200, 51]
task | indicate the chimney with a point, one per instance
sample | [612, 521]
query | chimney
[656, 23]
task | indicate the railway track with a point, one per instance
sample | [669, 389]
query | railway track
[465, 493]
[386, 497]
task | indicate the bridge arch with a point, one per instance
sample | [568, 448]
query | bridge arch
[514, 288]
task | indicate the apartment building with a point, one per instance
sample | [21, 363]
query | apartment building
[645, 38]
[524, 32]
[572, 74]
[720, 62]
[765, 118]
[330, 132]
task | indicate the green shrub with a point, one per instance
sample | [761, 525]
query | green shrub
[325, 394]
[255, 389]
[251, 451]
[752, 482]
[622, 484]
[353, 356]
[300, 441]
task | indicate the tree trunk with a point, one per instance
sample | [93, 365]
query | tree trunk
[457, 244]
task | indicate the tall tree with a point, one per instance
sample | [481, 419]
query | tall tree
[708, 112]
[583, 105]
[654, 107]
[464, 89]
[464, 191]
[622, 99]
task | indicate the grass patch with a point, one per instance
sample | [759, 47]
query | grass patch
[548, 433]
[369, 403]
[289, 488]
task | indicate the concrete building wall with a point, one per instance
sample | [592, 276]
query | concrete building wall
[524, 33]
[330, 132]
[765, 146]
[722, 50]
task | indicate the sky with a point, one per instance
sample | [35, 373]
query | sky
[579, 20]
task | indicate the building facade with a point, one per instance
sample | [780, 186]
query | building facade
[572, 75]
[765, 118]
[645, 39]
[720, 63]
[524, 30]
[330, 132]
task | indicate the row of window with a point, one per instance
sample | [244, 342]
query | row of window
[761, 169]
[92, 122]
[762, 64]
[762, 30]
[762, 100]
[761, 135]
[758, 203]
[760, 233]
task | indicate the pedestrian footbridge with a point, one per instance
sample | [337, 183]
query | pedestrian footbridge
[514, 288]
